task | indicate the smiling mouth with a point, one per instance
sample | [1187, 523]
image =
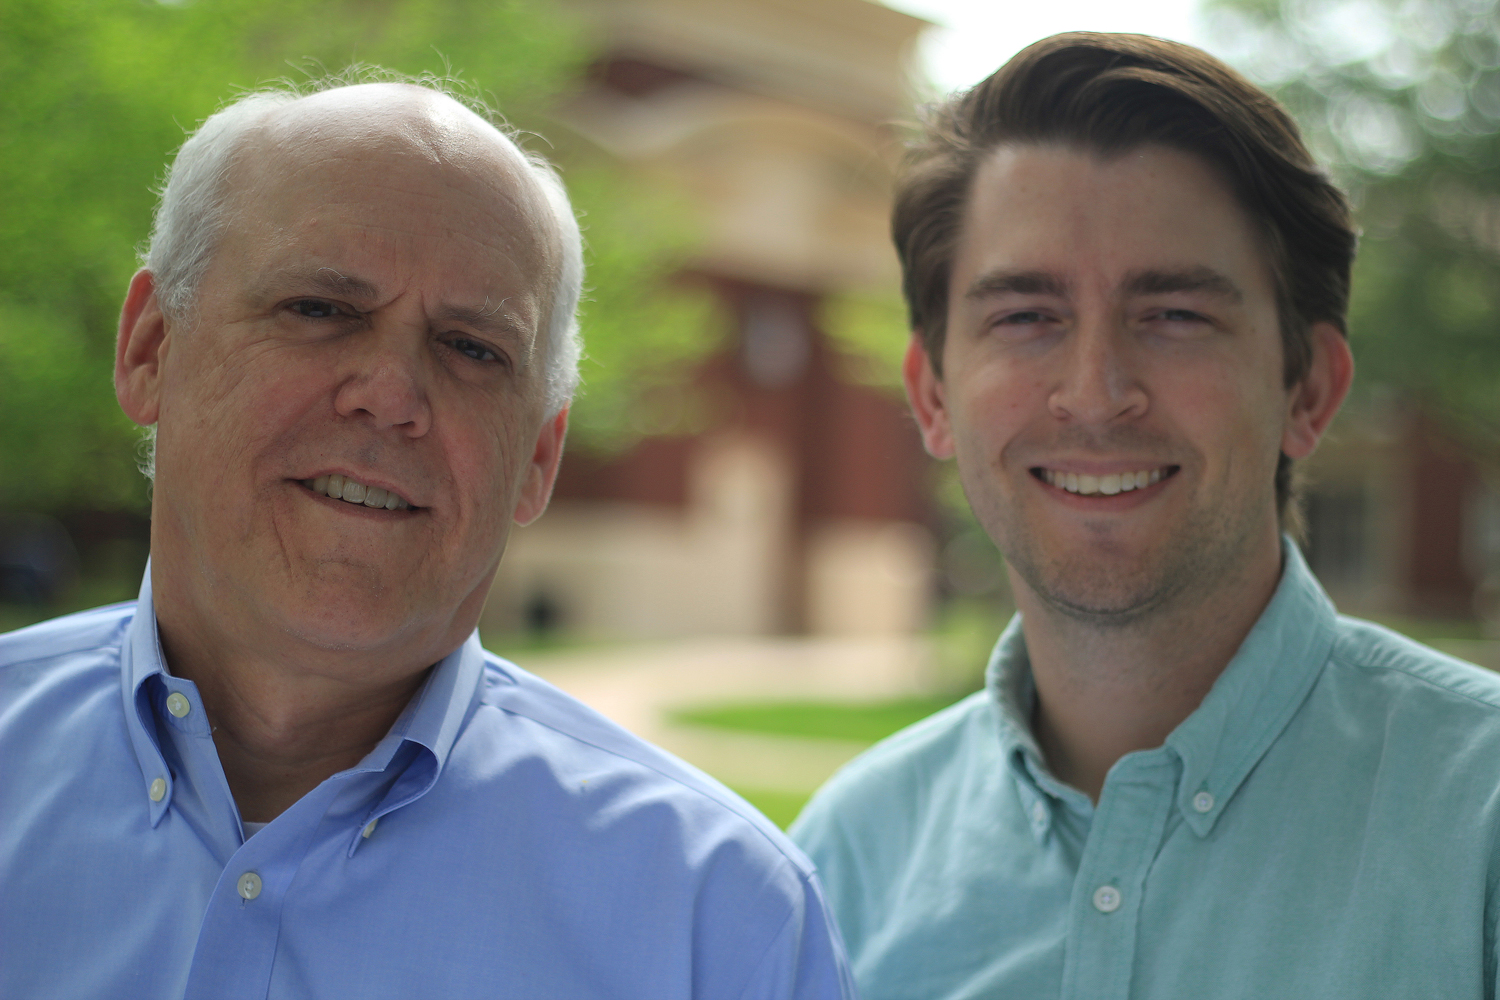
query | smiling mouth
[1093, 486]
[352, 491]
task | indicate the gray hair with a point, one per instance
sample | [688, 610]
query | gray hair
[190, 218]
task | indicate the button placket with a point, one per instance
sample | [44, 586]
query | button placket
[1123, 839]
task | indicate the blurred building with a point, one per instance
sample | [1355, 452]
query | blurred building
[802, 507]
[1403, 515]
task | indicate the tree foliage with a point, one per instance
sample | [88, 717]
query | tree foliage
[1403, 98]
[99, 93]
[643, 326]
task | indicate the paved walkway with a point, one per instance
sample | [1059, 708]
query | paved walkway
[639, 686]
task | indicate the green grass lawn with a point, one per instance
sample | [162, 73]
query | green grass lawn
[863, 722]
[779, 807]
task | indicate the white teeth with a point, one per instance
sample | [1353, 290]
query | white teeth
[350, 491]
[1109, 485]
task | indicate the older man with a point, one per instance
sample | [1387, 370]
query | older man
[289, 769]
[1188, 777]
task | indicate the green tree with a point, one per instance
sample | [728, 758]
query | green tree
[98, 95]
[1403, 98]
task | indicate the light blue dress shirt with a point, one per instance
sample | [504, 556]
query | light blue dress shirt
[1324, 826]
[503, 840]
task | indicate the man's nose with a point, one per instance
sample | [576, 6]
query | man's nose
[385, 379]
[1097, 381]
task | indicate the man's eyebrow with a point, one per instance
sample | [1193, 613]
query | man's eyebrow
[320, 279]
[1193, 279]
[496, 321]
[1016, 283]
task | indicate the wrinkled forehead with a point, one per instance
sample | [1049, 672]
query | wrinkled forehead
[405, 133]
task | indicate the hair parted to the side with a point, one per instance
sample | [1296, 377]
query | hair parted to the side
[1107, 94]
[190, 216]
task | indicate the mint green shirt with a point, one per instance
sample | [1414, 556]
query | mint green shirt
[1325, 825]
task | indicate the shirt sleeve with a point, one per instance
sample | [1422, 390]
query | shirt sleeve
[806, 959]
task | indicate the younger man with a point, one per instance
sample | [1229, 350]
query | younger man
[1187, 777]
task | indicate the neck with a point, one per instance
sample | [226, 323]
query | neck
[1106, 690]
[286, 715]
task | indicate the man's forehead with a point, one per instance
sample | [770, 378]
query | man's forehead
[391, 116]
[407, 141]
[1050, 195]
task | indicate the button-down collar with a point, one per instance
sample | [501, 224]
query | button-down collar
[1219, 743]
[431, 721]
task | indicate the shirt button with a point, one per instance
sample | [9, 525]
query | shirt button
[1203, 802]
[1106, 899]
[249, 885]
[158, 789]
[369, 828]
[178, 705]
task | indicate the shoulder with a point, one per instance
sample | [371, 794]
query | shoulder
[877, 802]
[74, 640]
[632, 829]
[870, 829]
[1398, 711]
[1417, 673]
[582, 748]
[914, 760]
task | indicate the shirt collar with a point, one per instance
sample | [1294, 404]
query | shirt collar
[432, 719]
[1249, 705]
[1257, 694]
[1008, 678]
[141, 660]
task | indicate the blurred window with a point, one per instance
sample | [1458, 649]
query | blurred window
[1336, 536]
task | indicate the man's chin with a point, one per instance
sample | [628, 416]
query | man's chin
[1113, 609]
[355, 614]
[349, 625]
[1103, 593]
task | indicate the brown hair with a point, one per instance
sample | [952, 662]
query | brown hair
[1108, 94]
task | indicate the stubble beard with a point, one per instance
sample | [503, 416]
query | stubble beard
[1111, 588]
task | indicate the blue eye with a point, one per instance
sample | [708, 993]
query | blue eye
[474, 350]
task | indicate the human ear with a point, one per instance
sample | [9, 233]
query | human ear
[541, 473]
[928, 398]
[1315, 400]
[140, 351]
